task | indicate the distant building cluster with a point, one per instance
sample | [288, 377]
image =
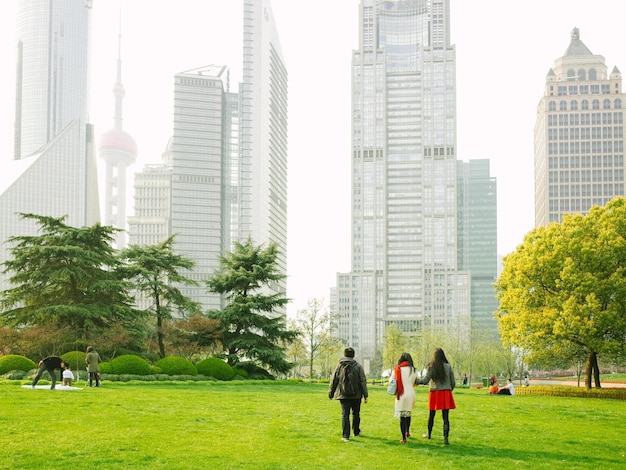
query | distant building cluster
[423, 222]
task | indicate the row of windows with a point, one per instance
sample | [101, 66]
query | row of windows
[575, 205]
[595, 89]
[584, 104]
[586, 190]
[576, 119]
[595, 147]
[586, 133]
[586, 161]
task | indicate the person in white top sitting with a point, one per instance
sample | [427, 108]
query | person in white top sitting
[508, 389]
[68, 376]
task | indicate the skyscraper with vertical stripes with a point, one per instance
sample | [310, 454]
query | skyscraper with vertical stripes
[404, 209]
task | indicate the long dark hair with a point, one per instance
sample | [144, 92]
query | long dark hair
[406, 357]
[436, 370]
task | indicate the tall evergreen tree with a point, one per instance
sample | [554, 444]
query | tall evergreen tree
[252, 330]
[65, 277]
[155, 271]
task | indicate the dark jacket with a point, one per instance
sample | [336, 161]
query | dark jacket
[333, 387]
[52, 362]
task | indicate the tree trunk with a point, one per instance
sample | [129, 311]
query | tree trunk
[592, 369]
[588, 370]
[160, 336]
[596, 370]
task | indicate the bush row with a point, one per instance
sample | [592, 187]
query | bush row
[569, 391]
[129, 367]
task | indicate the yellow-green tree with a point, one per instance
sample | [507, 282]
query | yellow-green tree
[565, 286]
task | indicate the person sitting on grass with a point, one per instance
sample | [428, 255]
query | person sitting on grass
[508, 389]
[68, 376]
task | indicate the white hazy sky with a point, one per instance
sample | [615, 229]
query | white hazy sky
[504, 51]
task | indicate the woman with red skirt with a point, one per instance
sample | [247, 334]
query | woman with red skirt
[440, 377]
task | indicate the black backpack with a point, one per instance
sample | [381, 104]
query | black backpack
[348, 379]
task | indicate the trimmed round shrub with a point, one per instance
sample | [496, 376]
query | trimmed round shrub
[105, 368]
[76, 359]
[176, 365]
[14, 362]
[129, 365]
[215, 367]
[241, 373]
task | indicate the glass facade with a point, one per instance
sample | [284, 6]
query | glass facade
[404, 210]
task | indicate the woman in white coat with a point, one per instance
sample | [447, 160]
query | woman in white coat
[405, 376]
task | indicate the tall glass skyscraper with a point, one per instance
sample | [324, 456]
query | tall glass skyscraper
[52, 70]
[262, 186]
[53, 141]
[579, 135]
[404, 208]
[477, 228]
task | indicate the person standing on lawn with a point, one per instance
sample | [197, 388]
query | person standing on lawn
[92, 359]
[440, 377]
[348, 384]
[405, 376]
[49, 364]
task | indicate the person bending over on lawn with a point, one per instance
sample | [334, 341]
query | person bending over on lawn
[49, 364]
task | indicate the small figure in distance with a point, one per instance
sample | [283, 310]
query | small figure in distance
[68, 375]
[93, 366]
[465, 380]
[49, 364]
[508, 389]
[350, 399]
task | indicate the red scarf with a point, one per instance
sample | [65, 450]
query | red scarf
[398, 374]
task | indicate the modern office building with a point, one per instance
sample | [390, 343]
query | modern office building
[52, 70]
[404, 267]
[262, 195]
[579, 135]
[118, 150]
[478, 242]
[226, 165]
[54, 148]
[199, 170]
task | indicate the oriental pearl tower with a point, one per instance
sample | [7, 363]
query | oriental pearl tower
[119, 150]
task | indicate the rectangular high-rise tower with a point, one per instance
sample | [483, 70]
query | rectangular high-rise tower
[404, 209]
[262, 192]
[579, 135]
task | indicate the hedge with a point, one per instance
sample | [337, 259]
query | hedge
[176, 365]
[215, 367]
[129, 365]
[14, 362]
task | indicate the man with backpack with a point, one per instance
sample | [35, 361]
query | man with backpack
[348, 384]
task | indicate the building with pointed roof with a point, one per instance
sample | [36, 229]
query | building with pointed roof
[579, 135]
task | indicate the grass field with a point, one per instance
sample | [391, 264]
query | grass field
[281, 425]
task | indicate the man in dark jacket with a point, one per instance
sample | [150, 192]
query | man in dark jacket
[350, 394]
[49, 364]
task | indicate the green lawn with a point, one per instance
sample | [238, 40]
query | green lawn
[282, 425]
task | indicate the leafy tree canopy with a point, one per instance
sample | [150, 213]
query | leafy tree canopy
[65, 276]
[252, 329]
[564, 288]
[156, 274]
